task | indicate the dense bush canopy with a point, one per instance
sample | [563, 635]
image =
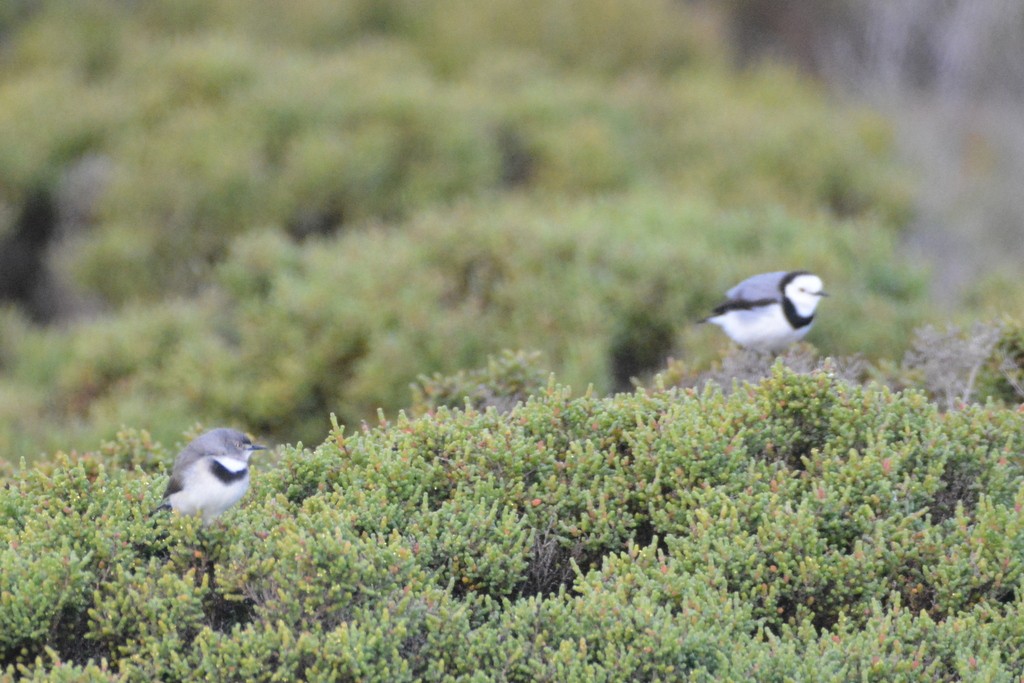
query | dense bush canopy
[262, 217]
[285, 218]
[209, 132]
[606, 288]
[801, 528]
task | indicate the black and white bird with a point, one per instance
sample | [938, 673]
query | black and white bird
[770, 311]
[211, 474]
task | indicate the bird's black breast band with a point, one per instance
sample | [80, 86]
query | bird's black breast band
[224, 474]
[794, 318]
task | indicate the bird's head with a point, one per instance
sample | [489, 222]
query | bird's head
[805, 291]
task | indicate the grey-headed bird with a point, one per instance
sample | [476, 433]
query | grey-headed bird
[211, 474]
[769, 311]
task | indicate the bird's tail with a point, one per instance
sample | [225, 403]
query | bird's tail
[166, 505]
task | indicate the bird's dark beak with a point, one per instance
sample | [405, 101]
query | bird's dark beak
[257, 447]
[823, 293]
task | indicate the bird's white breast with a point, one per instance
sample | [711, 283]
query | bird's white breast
[204, 492]
[763, 327]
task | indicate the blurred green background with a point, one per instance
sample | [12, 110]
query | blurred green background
[258, 215]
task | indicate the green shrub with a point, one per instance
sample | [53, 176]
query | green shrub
[1002, 376]
[211, 135]
[605, 290]
[803, 527]
[470, 182]
[507, 380]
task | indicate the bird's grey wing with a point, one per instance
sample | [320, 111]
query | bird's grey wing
[758, 287]
[185, 460]
[739, 305]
